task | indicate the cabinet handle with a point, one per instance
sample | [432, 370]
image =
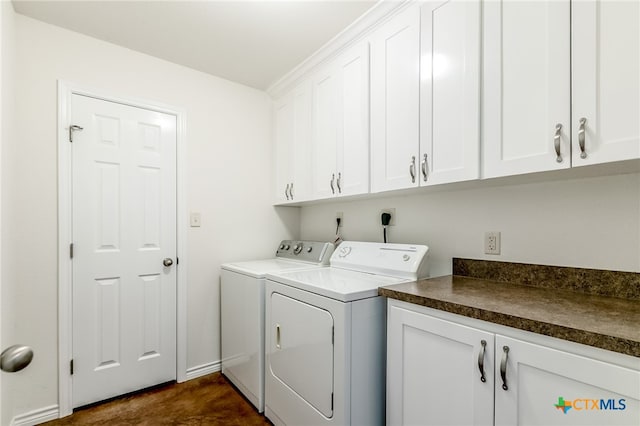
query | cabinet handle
[425, 168]
[503, 367]
[556, 142]
[338, 183]
[278, 346]
[333, 178]
[291, 191]
[286, 192]
[481, 360]
[412, 169]
[583, 151]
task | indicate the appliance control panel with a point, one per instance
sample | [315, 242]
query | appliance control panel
[308, 251]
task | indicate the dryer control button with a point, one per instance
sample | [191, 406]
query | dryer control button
[406, 257]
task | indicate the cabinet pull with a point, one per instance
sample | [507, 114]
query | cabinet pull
[583, 151]
[338, 183]
[556, 142]
[412, 169]
[425, 168]
[278, 346]
[333, 178]
[481, 360]
[291, 191]
[286, 192]
[503, 367]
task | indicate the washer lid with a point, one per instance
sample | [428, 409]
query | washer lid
[340, 284]
[259, 268]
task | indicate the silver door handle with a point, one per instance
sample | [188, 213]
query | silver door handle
[425, 168]
[15, 358]
[291, 191]
[167, 262]
[412, 169]
[286, 192]
[333, 178]
[72, 129]
[338, 183]
[581, 135]
[278, 346]
[503, 367]
[556, 142]
[481, 360]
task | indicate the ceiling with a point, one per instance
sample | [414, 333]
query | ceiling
[251, 42]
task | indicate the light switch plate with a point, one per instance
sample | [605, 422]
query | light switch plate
[195, 220]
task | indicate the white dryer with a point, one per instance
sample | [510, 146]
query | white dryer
[242, 311]
[325, 337]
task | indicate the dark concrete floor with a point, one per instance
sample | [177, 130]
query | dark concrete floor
[208, 400]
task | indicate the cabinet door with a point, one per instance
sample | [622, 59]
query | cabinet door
[353, 121]
[395, 89]
[606, 86]
[550, 387]
[526, 86]
[301, 167]
[325, 133]
[433, 375]
[450, 92]
[284, 137]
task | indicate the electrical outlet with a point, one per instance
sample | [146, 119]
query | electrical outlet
[492, 242]
[392, 212]
[339, 215]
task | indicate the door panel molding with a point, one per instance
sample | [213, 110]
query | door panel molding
[65, 306]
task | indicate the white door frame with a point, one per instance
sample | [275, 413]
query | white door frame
[65, 307]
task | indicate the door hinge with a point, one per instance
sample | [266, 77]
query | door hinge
[71, 250]
[177, 260]
[71, 367]
[73, 129]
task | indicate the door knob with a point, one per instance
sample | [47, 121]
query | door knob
[15, 358]
[167, 262]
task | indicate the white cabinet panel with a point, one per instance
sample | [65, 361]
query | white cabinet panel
[606, 86]
[353, 137]
[395, 88]
[325, 133]
[430, 364]
[526, 82]
[450, 91]
[540, 379]
[292, 144]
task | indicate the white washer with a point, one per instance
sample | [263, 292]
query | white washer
[325, 337]
[242, 311]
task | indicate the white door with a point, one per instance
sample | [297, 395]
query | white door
[395, 97]
[124, 226]
[606, 86]
[284, 140]
[546, 387]
[301, 351]
[325, 133]
[450, 92]
[526, 86]
[432, 365]
[353, 121]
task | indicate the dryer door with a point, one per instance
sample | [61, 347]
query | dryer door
[301, 352]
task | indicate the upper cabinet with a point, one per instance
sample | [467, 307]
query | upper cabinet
[292, 135]
[340, 141]
[434, 92]
[395, 98]
[533, 52]
[526, 96]
[450, 91]
[606, 82]
[425, 94]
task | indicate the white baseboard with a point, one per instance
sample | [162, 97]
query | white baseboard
[36, 417]
[203, 370]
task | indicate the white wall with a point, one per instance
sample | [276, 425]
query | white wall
[7, 51]
[229, 182]
[588, 222]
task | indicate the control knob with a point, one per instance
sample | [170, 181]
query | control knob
[297, 248]
[309, 249]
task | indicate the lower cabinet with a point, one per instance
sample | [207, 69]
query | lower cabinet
[443, 372]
